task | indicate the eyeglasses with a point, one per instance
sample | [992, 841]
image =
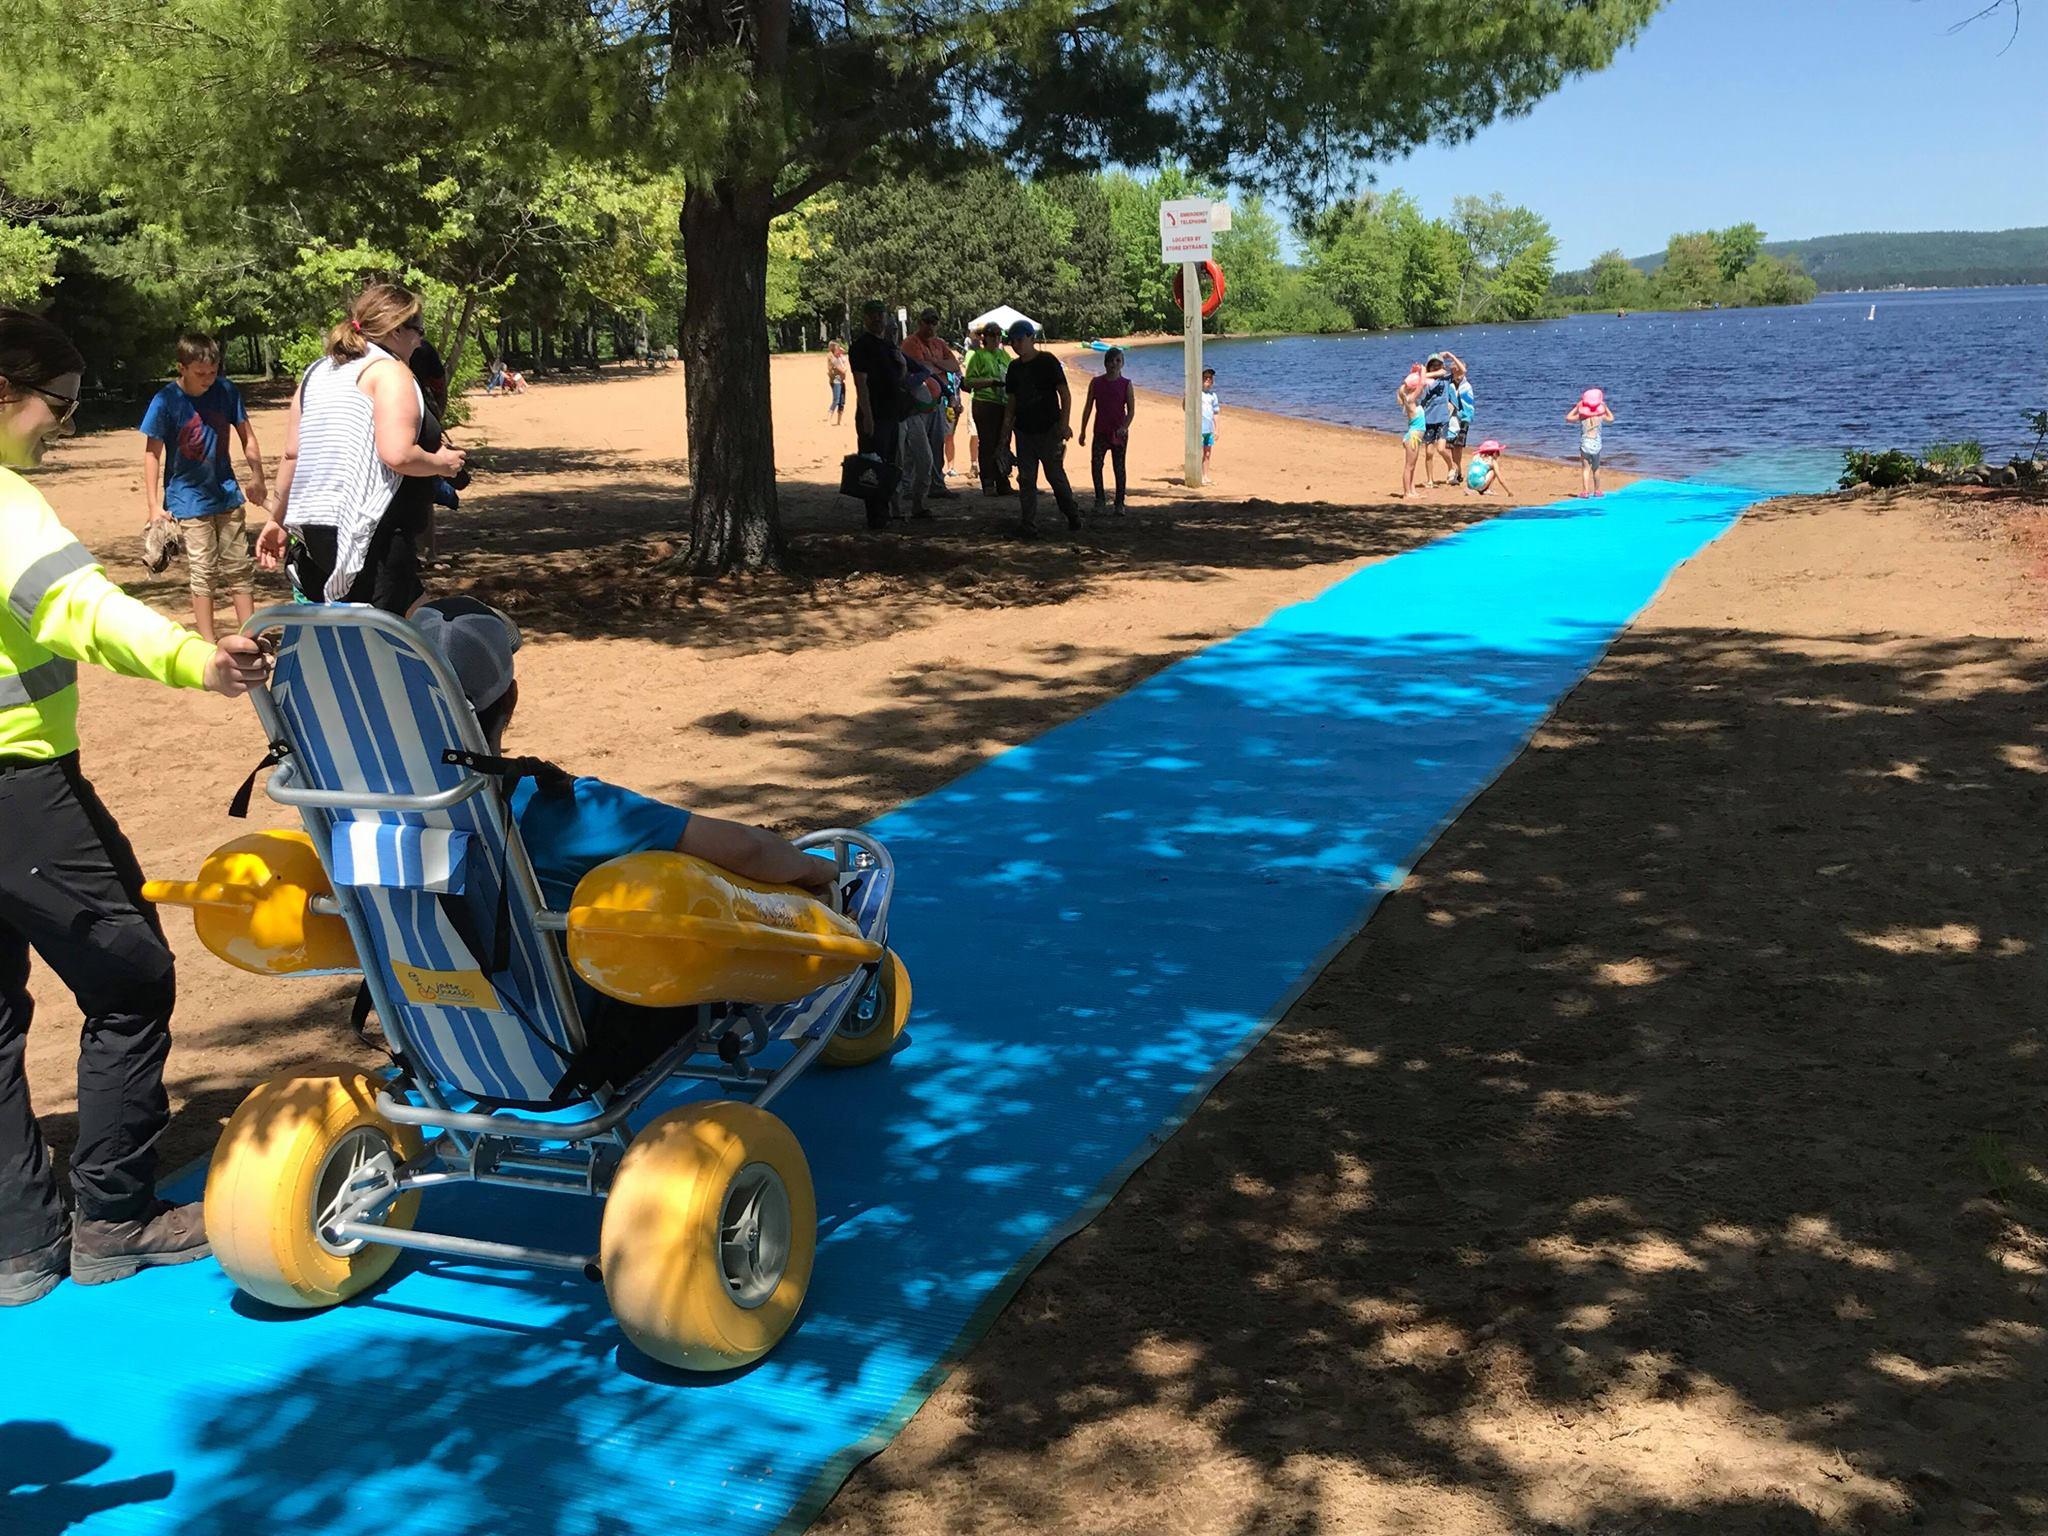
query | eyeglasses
[68, 403]
[416, 325]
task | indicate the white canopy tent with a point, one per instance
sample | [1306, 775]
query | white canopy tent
[1004, 316]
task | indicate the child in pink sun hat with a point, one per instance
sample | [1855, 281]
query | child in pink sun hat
[1590, 413]
[1483, 474]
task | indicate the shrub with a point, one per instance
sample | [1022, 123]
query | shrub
[1967, 454]
[1883, 470]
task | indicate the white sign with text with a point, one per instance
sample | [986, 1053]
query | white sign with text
[1185, 228]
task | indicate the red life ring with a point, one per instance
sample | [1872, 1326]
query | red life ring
[1211, 301]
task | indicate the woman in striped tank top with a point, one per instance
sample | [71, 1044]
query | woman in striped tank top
[359, 429]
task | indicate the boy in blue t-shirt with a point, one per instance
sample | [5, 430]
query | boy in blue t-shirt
[571, 825]
[192, 485]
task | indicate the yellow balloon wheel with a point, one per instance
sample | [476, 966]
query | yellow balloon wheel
[709, 1233]
[876, 1023]
[279, 1166]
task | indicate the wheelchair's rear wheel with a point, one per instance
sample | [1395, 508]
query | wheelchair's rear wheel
[709, 1233]
[277, 1175]
[875, 1023]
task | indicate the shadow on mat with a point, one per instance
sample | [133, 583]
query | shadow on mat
[1668, 1155]
[43, 1492]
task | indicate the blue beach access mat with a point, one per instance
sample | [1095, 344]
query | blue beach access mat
[1098, 925]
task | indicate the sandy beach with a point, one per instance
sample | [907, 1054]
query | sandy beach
[1666, 1154]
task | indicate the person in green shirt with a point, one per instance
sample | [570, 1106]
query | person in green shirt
[70, 888]
[987, 366]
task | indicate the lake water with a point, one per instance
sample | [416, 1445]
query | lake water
[1768, 398]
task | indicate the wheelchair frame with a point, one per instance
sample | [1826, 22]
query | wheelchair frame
[513, 1148]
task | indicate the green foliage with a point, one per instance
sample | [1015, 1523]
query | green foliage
[1967, 454]
[1509, 256]
[1617, 284]
[1885, 471]
[1729, 267]
[28, 264]
[1736, 248]
[2037, 423]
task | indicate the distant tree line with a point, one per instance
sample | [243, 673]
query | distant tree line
[1080, 254]
[1930, 259]
[1729, 267]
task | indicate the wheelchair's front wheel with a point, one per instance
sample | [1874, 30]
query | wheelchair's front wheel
[709, 1233]
[279, 1171]
[875, 1023]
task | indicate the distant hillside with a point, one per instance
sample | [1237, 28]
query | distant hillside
[1958, 258]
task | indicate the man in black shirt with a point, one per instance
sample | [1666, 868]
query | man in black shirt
[1039, 410]
[877, 375]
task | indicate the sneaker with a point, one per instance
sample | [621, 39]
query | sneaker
[939, 493]
[1028, 531]
[32, 1276]
[1074, 519]
[1118, 509]
[1096, 510]
[113, 1250]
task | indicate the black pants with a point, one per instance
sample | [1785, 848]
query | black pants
[1116, 453]
[882, 443]
[70, 890]
[995, 448]
[1048, 451]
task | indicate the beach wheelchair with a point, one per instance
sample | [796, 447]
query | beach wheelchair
[410, 872]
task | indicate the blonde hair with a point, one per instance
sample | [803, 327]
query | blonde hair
[380, 310]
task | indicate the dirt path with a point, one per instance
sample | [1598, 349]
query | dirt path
[1667, 1155]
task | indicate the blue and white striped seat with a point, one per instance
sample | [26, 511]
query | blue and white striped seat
[363, 711]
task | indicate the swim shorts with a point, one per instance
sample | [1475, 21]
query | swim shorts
[1435, 432]
[1208, 439]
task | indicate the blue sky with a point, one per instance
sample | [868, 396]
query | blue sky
[1810, 117]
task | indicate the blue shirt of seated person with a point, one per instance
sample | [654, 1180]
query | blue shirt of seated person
[569, 835]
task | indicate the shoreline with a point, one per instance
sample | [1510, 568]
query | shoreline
[1380, 437]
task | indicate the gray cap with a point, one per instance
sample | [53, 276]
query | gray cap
[475, 640]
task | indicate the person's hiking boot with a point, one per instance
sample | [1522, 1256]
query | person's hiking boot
[32, 1276]
[1074, 519]
[113, 1250]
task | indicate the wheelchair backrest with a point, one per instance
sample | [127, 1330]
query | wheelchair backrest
[437, 897]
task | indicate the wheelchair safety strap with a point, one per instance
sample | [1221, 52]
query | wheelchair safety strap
[239, 806]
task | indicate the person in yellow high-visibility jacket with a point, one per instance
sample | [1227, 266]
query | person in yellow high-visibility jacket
[70, 888]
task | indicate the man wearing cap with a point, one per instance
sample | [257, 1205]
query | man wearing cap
[926, 346]
[987, 366]
[1039, 410]
[877, 366]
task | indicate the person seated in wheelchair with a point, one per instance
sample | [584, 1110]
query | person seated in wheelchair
[572, 824]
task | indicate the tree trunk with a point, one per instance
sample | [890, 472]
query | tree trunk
[456, 342]
[733, 520]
